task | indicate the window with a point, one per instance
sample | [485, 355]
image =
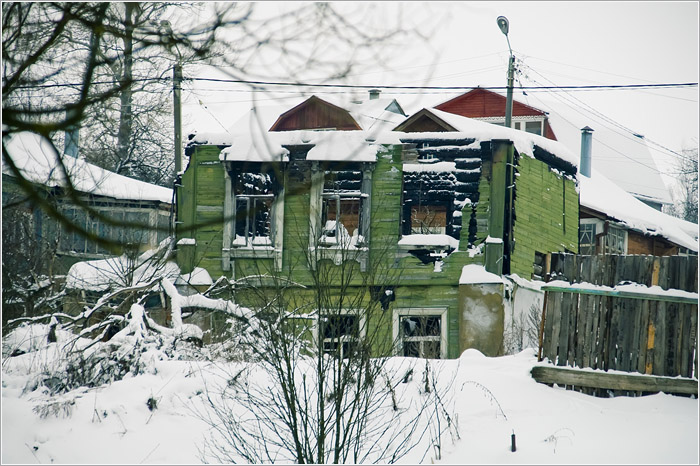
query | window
[614, 242]
[252, 223]
[534, 127]
[253, 195]
[420, 336]
[340, 333]
[341, 219]
[586, 238]
[428, 220]
[78, 243]
[341, 208]
[421, 333]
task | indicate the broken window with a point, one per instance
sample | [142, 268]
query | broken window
[340, 333]
[420, 336]
[614, 242]
[341, 208]
[253, 220]
[253, 197]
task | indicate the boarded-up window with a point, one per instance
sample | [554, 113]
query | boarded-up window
[428, 220]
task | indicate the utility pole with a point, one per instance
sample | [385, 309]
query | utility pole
[177, 115]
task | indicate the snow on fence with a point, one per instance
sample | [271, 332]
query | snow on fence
[629, 328]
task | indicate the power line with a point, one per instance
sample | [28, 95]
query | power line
[360, 86]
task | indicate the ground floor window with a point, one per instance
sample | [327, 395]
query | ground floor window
[421, 333]
[340, 332]
[615, 240]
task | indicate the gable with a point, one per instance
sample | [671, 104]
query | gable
[424, 121]
[315, 113]
[482, 103]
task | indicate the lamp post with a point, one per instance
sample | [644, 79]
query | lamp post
[503, 26]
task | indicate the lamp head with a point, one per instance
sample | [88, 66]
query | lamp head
[503, 24]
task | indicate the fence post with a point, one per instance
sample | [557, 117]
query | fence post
[541, 333]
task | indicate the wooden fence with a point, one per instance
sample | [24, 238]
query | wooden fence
[669, 272]
[611, 330]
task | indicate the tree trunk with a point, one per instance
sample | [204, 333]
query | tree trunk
[125, 116]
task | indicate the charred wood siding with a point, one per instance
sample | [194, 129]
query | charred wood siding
[448, 189]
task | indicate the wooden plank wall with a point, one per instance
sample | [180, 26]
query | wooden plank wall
[647, 336]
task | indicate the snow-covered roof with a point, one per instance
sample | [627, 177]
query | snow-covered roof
[601, 194]
[37, 160]
[622, 157]
[116, 272]
[481, 131]
[350, 146]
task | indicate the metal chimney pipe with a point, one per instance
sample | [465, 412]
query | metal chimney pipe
[71, 137]
[586, 143]
[374, 94]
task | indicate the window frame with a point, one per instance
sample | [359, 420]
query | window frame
[398, 313]
[362, 330]
[250, 241]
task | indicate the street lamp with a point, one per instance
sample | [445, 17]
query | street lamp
[503, 25]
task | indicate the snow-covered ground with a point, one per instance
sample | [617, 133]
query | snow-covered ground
[492, 398]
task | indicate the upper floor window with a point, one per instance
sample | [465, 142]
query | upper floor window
[428, 220]
[341, 208]
[252, 224]
[253, 199]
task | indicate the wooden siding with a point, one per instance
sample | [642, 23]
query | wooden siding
[647, 245]
[482, 103]
[315, 113]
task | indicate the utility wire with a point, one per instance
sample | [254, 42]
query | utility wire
[360, 86]
[613, 122]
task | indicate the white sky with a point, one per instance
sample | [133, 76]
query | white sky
[565, 43]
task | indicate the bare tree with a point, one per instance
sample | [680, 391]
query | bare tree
[316, 387]
[685, 193]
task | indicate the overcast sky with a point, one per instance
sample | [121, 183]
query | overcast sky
[559, 43]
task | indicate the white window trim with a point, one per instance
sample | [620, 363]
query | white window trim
[420, 311]
[362, 322]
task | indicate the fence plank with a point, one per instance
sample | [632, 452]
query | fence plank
[586, 335]
[660, 339]
[595, 333]
[612, 381]
[642, 335]
[554, 311]
[565, 311]
[573, 329]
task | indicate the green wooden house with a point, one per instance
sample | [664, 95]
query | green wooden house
[391, 216]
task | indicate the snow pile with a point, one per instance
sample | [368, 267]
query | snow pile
[155, 417]
[37, 160]
[428, 241]
[476, 274]
[602, 195]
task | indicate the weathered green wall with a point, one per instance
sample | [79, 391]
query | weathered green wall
[546, 209]
[542, 199]
[201, 206]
